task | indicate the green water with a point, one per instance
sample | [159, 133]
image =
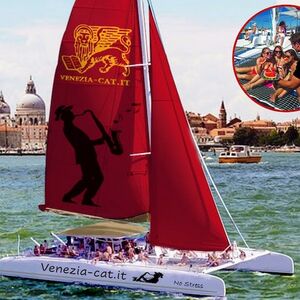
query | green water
[263, 199]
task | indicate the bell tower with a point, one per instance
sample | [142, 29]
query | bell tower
[222, 116]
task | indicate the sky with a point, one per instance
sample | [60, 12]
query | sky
[198, 37]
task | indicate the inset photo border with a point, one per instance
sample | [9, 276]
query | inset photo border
[265, 57]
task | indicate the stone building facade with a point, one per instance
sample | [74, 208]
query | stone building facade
[28, 129]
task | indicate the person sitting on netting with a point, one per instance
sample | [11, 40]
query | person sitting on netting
[289, 65]
[249, 72]
[270, 72]
[294, 82]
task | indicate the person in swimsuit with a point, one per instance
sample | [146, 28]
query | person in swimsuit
[249, 72]
[288, 66]
[294, 81]
[269, 73]
[280, 34]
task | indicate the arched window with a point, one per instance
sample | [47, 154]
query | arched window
[20, 121]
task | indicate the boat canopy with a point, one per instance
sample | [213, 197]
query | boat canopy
[105, 229]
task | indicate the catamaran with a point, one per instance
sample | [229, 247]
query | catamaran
[115, 115]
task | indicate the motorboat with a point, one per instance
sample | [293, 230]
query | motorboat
[239, 154]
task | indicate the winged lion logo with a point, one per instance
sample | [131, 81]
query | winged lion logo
[105, 46]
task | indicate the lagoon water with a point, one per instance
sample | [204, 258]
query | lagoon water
[263, 198]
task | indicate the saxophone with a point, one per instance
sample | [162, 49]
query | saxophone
[112, 141]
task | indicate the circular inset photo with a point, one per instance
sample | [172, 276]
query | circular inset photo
[265, 58]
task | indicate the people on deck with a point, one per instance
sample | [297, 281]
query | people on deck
[280, 33]
[36, 250]
[289, 65]
[242, 254]
[98, 256]
[160, 260]
[109, 250]
[119, 257]
[294, 81]
[250, 33]
[270, 71]
[42, 249]
[249, 72]
[184, 260]
[213, 259]
[141, 255]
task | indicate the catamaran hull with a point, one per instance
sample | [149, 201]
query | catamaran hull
[270, 262]
[129, 276]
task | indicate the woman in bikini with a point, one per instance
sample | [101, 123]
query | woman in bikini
[280, 34]
[270, 71]
[249, 72]
[287, 65]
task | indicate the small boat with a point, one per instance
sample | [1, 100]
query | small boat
[288, 149]
[120, 147]
[239, 154]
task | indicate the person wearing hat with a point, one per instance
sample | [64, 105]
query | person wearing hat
[86, 157]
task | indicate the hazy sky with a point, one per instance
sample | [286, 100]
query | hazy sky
[198, 37]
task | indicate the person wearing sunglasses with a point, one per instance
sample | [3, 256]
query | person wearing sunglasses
[270, 71]
[294, 81]
[249, 72]
[288, 66]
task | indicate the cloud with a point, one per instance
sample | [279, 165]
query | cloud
[28, 50]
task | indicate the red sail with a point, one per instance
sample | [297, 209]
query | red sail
[183, 212]
[98, 115]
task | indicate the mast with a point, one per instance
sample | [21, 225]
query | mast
[274, 23]
[145, 64]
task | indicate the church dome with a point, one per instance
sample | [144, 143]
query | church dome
[4, 107]
[31, 100]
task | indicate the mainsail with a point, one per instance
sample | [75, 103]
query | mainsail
[183, 212]
[98, 115]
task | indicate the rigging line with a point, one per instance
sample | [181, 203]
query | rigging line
[221, 199]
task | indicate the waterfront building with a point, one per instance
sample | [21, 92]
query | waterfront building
[264, 126]
[27, 130]
[10, 136]
[283, 126]
[224, 134]
[30, 117]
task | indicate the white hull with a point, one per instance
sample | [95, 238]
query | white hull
[268, 262]
[123, 275]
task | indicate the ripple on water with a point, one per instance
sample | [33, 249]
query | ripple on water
[263, 199]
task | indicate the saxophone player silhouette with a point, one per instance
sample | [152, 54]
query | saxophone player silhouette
[85, 154]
